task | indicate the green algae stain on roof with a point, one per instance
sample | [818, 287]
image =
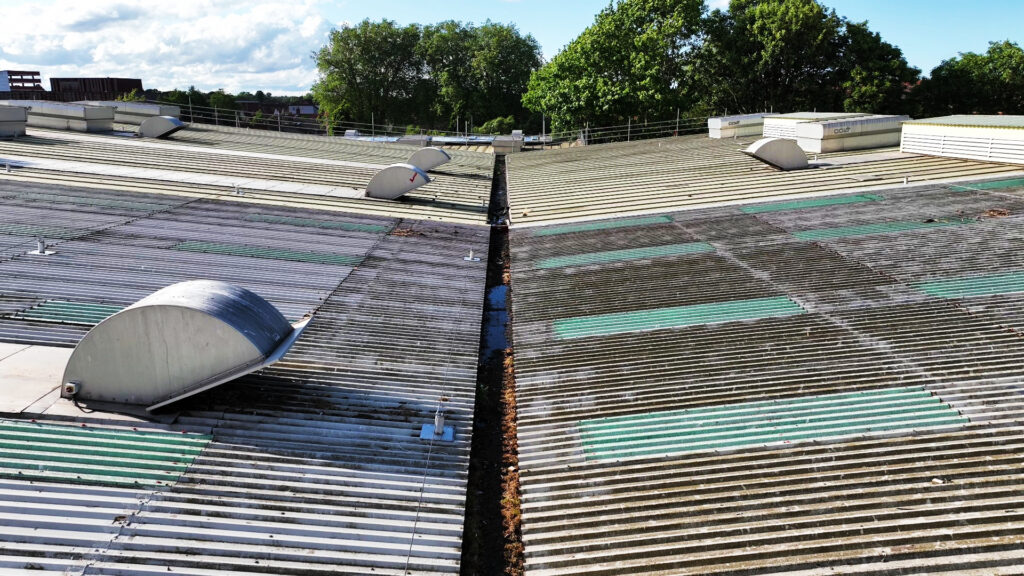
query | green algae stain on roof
[879, 228]
[965, 287]
[810, 203]
[67, 312]
[989, 185]
[95, 456]
[268, 253]
[627, 254]
[602, 225]
[316, 223]
[757, 423]
[675, 317]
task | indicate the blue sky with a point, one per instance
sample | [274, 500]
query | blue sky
[266, 44]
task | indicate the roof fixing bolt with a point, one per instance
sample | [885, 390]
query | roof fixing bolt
[40, 245]
[7, 166]
[439, 422]
[238, 191]
[906, 179]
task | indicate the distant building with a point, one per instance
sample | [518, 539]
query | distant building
[19, 80]
[96, 85]
[303, 110]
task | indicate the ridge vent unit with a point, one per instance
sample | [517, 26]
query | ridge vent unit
[972, 137]
[737, 126]
[66, 116]
[135, 113]
[784, 125]
[878, 131]
[12, 121]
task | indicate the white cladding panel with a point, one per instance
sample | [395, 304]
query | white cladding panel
[993, 144]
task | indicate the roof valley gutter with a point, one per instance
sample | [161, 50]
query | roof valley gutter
[493, 494]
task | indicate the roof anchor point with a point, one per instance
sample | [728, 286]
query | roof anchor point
[471, 258]
[41, 248]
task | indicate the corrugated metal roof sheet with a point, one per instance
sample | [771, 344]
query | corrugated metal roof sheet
[617, 465]
[657, 176]
[314, 465]
[459, 191]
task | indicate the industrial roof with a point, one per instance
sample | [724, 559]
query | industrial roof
[721, 368]
[655, 176]
[974, 121]
[817, 386]
[266, 167]
[314, 465]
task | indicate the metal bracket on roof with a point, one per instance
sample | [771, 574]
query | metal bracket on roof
[41, 248]
[471, 258]
[438, 431]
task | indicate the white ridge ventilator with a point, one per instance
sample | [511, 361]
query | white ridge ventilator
[160, 126]
[781, 153]
[395, 180]
[176, 342]
[428, 158]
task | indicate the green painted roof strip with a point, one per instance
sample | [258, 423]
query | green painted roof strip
[756, 423]
[60, 232]
[974, 285]
[69, 312]
[675, 317]
[102, 202]
[97, 456]
[312, 223]
[268, 253]
[989, 185]
[810, 203]
[811, 403]
[627, 254]
[880, 228]
[603, 225]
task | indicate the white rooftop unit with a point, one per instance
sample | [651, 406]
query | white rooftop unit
[176, 342]
[736, 126]
[65, 116]
[877, 131]
[136, 112]
[784, 125]
[12, 121]
[508, 144]
[974, 137]
[782, 153]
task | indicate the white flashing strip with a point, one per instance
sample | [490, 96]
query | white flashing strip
[182, 177]
[128, 141]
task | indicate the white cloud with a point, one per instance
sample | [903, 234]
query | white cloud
[258, 44]
[720, 4]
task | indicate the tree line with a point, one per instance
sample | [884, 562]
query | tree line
[448, 75]
[640, 60]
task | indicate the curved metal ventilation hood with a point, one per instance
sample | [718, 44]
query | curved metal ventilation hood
[176, 342]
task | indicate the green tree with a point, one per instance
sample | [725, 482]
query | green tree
[632, 60]
[989, 83]
[771, 54]
[220, 99]
[447, 50]
[790, 55]
[876, 75]
[369, 70]
[503, 61]
[133, 96]
[499, 125]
